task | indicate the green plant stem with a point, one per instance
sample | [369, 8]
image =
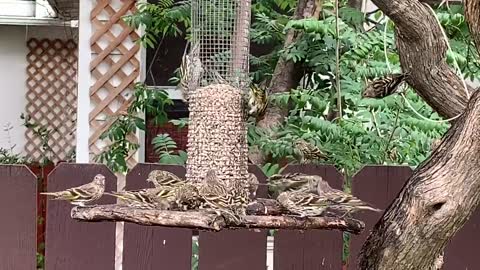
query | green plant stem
[395, 126]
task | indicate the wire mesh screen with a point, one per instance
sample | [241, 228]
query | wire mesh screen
[221, 30]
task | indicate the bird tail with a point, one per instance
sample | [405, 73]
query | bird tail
[54, 194]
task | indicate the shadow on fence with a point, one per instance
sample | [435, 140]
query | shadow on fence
[75, 245]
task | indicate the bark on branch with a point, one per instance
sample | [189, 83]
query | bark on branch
[422, 50]
[437, 200]
[209, 221]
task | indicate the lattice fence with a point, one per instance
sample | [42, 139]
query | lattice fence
[114, 66]
[51, 97]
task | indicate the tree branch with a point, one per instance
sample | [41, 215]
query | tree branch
[472, 11]
[422, 50]
[209, 221]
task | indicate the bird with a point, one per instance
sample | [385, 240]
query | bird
[257, 100]
[187, 196]
[191, 72]
[216, 196]
[343, 202]
[83, 194]
[307, 152]
[151, 198]
[161, 178]
[253, 184]
[279, 183]
[435, 144]
[304, 204]
[384, 86]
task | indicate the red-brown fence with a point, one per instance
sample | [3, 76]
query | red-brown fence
[75, 245]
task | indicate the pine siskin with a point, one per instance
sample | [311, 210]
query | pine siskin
[187, 196]
[151, 198]
[384, 86]
[82, 194]
[257, 100]
[164, 179]
[435, 144]
[279, 183]
[191, 72]
[305, 151]
[253, 184]
[344, 202]
[303, 204]
[216, 196]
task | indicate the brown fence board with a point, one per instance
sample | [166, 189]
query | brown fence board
[76, 245]
[378, 185]
[155, 247]
[18, 188]
[311, 250]
[233, 250]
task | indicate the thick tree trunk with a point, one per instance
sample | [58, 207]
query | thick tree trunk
[437, 200]
[444, 191]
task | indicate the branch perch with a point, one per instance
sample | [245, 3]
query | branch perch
[209, 221]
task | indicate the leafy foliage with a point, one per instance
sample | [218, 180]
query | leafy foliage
[163, 18]
[165, 147]
[369, 131]
[145, 101]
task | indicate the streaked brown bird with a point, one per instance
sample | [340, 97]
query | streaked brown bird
[83, 194]
[304, 204]
[161, 178]
[253, 184]
[435, 144]
[151, 198]
[257, 100]
[343, 202]
[307, 152]
[217, 196]
[279, 183]
[191, 72]
[187, 196]
[384, 86]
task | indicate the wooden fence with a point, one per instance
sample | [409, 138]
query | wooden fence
[75, 245]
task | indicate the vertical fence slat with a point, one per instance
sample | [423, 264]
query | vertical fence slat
[378, 185]
[157, 248]
[235, 249]
[311, 250]
[77, 245]
[18, 188]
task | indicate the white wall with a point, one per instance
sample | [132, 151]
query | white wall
[13, 63]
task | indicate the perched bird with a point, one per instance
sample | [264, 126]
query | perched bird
[216, 196]
[187, 196]
[307, 152]
[257, 100]
[435, 144]
[152, 198]
[304, 204]
[191, 71]
[279, 183]
[344, 202]
[384, 86]
[253, 184]
[82, 194]
[161, 178]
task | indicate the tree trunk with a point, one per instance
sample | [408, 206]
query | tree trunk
[286, 76]
[443, 192]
